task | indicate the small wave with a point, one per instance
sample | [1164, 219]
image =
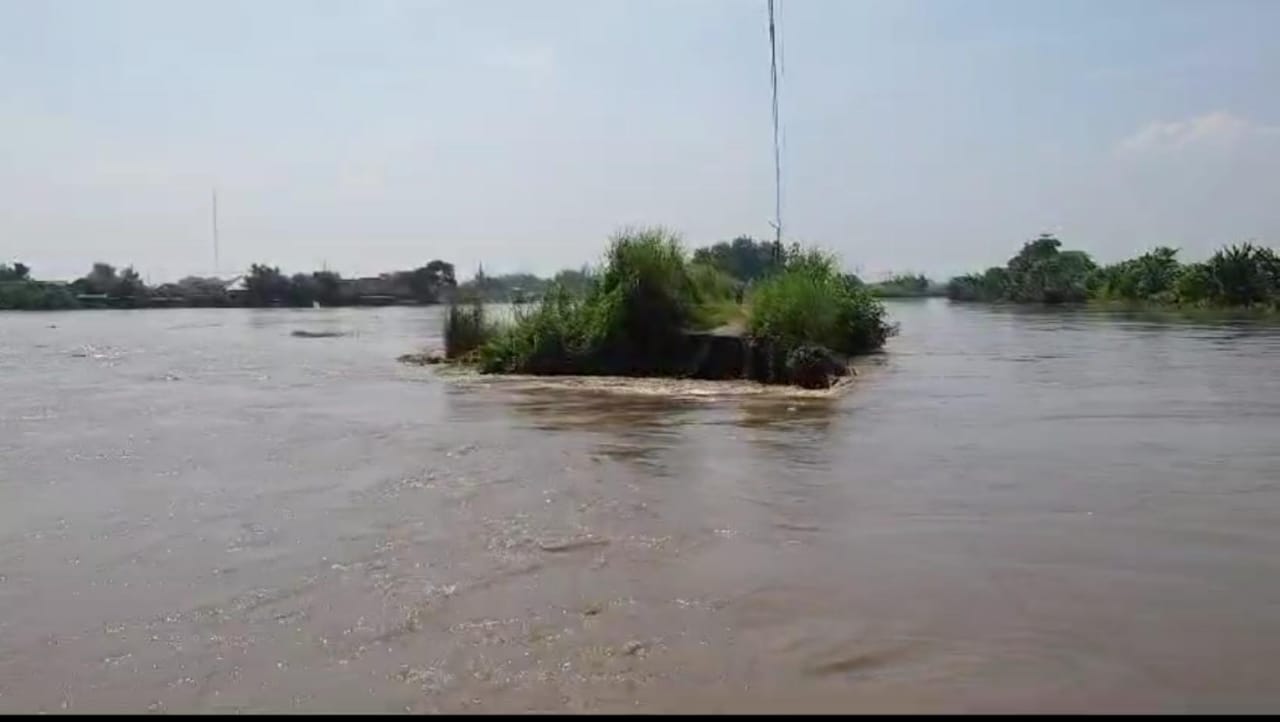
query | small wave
[648, 386]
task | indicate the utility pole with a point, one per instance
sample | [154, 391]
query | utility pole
[216, 264]
[777, 153]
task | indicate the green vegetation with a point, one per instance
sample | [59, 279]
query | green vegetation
[267, 286]
[812, 302]
[18, 291]
[16, 272]
[739, 262]
[105, 287]
[523, 287]
[644, 310]
[1240, 276]
[906, 285]
[743, 258]
[1040, 273]
[630, 322]
[466, 329]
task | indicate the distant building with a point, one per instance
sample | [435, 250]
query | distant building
[237, 290]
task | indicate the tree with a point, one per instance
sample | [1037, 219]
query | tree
[744, 258]
[101, 279]
[303, 290]
[1153, 275]
[443, 271]
[265, 285]
[574, 282]
[17, 272]
[328, 288]
[203, 291]
[427, 282]
[128, 285]
[1244, 275]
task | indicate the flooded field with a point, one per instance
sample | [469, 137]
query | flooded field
[1008, 511]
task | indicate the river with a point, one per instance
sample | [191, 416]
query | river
[1009, 510]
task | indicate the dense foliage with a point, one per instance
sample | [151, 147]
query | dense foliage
[636, 313]
[1040, 273]
[737, 264]
[743, 258]
[906, 285]
[629, 321]
[812, 302]
[1236, 276]
[267, 286]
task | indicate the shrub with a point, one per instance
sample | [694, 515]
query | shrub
[645, 297]
[810, 302]
[1151, 276]
[631, 319]
[635, 314]
[35, 296]
[466, 329]
[904, 285]
[1194, 285]
[813, 367]
[1244, 275]
[552, 338]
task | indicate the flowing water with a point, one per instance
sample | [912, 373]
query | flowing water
[1010, 510]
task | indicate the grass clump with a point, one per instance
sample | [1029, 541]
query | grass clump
[636, 315]
[630, 320]
[812, 303]
[467, 328]
[552, 337]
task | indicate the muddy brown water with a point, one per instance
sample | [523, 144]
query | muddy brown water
[1009, 511]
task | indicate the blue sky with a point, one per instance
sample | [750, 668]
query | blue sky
[369, 135]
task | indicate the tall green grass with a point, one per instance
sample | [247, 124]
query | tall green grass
[552, 337]
[630, 321]
[635, 315]
[812, 303]
[466, 329]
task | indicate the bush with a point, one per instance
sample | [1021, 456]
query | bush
[1244, 275]
[813, 367]
[552, 338]
[631, 320]
[1194, 285]
[1152, 275]
[811, 302]
[35, 296]
[644, 302]
[633, 316]
[466, 329]
[904, 285]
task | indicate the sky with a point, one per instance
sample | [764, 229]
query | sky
[370, 135]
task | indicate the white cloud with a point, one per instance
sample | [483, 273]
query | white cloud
[1217, 129]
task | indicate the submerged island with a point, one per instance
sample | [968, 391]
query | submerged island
[650, 310]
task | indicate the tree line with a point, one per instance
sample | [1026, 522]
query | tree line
[1243, 275]
[104, 286]
[740, 262]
